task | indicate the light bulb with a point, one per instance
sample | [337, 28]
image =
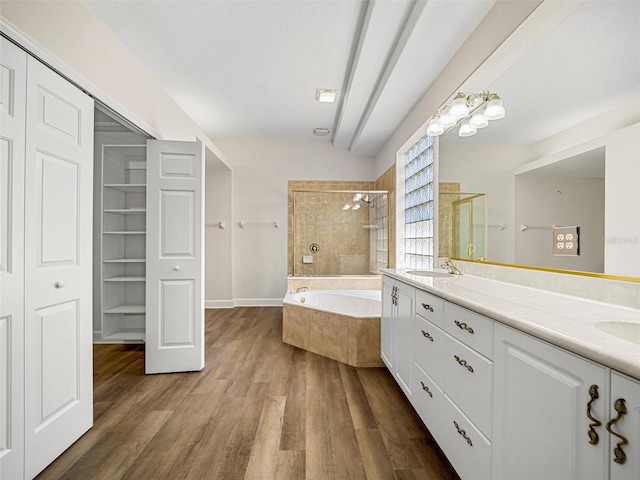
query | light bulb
[459, 108]
[494, 109]
[467, 130]
[434, 128]
[445, 117]
[346, 206]
[357, 197]
[479, 119]
[356, 207]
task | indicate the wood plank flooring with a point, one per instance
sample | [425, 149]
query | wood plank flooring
[260, 409]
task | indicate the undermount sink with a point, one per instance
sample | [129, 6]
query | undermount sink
[624, 330]
[429, 273]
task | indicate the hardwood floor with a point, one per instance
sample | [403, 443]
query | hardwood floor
[260, 409]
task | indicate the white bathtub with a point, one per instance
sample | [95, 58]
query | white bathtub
[353, 303]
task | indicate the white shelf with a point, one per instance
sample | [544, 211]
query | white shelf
[125, 279]
[127, 187]
[129, 334]
[125, 260]
[127, 232]
[126, 211]
[132, 309]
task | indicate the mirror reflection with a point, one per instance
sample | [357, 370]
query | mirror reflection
[567, 153]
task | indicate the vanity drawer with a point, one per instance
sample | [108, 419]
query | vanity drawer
[428, 348]
[470, 328]
[468, 381]
[430, 307]
[468, 450]
[428, 401]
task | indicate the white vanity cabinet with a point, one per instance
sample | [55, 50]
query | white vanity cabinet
[549, 404]
[623, 426]
[505, 405]
[396, 331]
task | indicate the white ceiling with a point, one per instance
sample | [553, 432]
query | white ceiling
[585, 67]
[250, 68]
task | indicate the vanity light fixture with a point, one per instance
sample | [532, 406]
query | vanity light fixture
[470, 112]
[326, 95]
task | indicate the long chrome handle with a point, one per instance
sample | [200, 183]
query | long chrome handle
[593, 435]
[463, 326]
[463, 363]
[426, 389]
[426, 306]
[463, 433]
[426, 335]
[621, 408]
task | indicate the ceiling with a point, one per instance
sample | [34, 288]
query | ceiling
[586, 66]
[250, 68]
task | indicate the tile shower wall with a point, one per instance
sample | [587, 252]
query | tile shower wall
[387, 181]
[319, 216]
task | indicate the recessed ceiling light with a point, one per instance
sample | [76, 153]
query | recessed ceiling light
[324, 95]
[321, 132]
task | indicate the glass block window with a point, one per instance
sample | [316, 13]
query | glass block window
[418, 205]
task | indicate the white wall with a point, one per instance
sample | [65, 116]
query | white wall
[622, 205]
[487, 169]
[261, 169]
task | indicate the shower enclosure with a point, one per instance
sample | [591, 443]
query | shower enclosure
[463, 229]
[340, 232]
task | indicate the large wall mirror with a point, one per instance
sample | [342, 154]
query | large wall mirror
[567, 153]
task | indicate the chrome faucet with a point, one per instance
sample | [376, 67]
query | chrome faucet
[301, 289]
[450, 267]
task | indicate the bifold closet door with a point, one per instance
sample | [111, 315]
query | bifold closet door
[58, 265]
[13, 72]
[175, 257]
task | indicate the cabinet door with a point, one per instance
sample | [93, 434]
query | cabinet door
[13, 70]
[627, 427]
[387, 330]
[58, 266]
[405, 330]
[541, 407]
[175, 257]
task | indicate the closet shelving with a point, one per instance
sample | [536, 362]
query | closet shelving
[123, 243]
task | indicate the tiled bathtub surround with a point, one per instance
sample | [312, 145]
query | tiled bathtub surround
[368, 282]
[350, 340]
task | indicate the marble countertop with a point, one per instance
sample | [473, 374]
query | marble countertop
[562, 320]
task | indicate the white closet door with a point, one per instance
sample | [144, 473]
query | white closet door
[175, 257]
[13, 78]
[58, 262]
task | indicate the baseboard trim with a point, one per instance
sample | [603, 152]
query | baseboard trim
[219, 304]
[243, 302]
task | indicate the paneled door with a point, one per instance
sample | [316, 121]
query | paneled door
[58, 259]
[13, 71]
[175, 257]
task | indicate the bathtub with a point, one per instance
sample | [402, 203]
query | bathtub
[340, 324]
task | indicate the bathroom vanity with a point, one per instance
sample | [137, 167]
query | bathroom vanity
[515, 382]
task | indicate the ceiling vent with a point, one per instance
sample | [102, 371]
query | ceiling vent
[321, 132]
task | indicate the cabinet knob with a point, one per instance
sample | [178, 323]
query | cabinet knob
[463, 363]
[463, 433]
[426, 306]
[59, 284]
[177, 268]
[426, 389]
[463, 326]
[426, 335]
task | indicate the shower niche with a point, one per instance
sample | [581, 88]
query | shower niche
[340, 232]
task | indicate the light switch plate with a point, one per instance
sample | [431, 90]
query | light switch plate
[566, 241]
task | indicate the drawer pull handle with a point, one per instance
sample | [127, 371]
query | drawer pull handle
[463, 363]
[426, 306]
[621, 408]
[463, 433]
[426, 389]
[463, 326]
[593, 435]
[426, 335]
